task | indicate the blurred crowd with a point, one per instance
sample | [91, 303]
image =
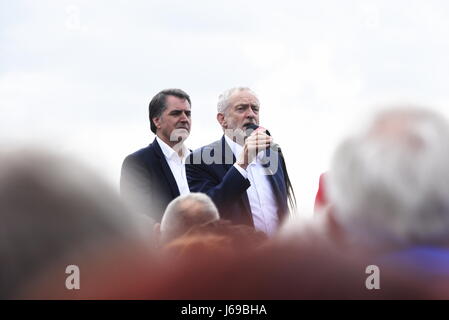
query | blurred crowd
[384, 202]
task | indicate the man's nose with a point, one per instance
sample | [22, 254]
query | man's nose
[251, 114]
[184, 117]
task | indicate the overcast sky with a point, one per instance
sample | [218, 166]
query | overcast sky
[77, 76]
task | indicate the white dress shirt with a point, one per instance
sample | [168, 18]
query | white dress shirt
[176, 164]
[260, 194]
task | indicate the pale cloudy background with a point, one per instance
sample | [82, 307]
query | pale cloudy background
[77, 75]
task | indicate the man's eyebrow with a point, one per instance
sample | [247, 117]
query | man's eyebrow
[247, 105]
[179, 110]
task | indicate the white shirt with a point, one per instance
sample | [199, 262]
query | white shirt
[260, 194]
[176, 164]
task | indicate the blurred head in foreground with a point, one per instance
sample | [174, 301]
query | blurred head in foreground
[54, 213]
[390, 183]
[183, 213]
[218, 237]
[285, 271]
[214, 270]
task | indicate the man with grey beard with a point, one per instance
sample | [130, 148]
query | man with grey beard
[243, 172]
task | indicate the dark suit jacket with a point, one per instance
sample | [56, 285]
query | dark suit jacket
[147, 182]
[215, 175]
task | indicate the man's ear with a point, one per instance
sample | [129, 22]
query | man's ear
[221, 120]
[157, 122]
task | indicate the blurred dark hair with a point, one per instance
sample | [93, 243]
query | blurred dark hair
[53, 211]
[217, 237]
[157, 104]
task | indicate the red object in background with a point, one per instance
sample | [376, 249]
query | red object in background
[321, 199]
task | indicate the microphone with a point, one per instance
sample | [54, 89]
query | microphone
[253, 126]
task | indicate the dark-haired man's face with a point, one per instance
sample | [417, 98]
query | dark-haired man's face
[174, 123]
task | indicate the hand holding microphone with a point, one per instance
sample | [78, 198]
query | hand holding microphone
[257, 141]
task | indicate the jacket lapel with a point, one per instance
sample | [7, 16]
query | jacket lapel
[166, 169]
[229, 159]
[278, 187]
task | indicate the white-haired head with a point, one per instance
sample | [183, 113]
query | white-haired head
[223, 99]
[184, 212]
[391, 181]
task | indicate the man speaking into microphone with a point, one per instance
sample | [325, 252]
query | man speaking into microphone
[244, 172]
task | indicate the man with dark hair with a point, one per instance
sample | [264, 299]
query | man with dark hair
[153, 176]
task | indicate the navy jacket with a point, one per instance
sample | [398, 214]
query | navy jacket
[147, 182]
[210, 170]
